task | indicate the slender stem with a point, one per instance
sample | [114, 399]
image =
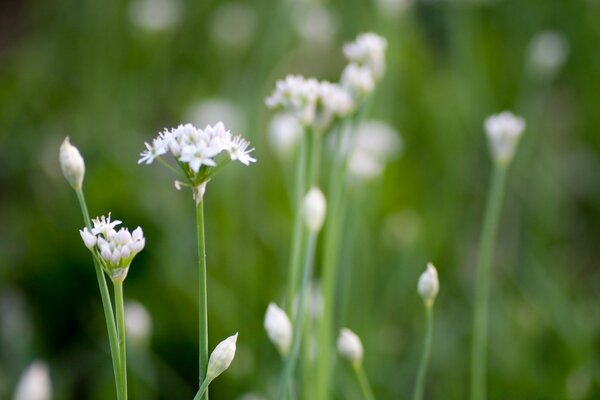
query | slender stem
[290, 362]
[106, 303]
[420, 384]
[316, 139]
[170, 167]
[296, 252]
[118, 286]
[363, 382]
[202, 389]
[202, 298]
[482, 285]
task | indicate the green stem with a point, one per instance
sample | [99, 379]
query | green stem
[105, 296]
[316, 139]
[300, 311]
[202, 298]
[363, 382]
[482, 285]
[420, 384]
[118, 286]
[202, 389]
[296, 252]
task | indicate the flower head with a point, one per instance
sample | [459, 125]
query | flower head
[115, 248]
[296, 95]
[221, 357]
[350, 347]
[369, 50]
[279, 328]
[333, 102]
[429, 285]
[71, 163]
[358, 80]
[504, 131]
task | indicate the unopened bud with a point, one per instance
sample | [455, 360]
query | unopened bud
[350, 347]
[279, 328]
[35, 383]
[429, 285]
[503, 132]
[221, 357]
[313, 209]
[72, 164]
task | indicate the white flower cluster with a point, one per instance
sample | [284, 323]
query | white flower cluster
[318, 103]
[194, 148]
[504, 131]
[115, 249]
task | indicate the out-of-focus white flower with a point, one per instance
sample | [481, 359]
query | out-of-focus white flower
[138, 322]
[315, 23]
[155, 15]
[35, 383]
[358, 81]
[548, 52]
[211, 111]
[375, 144]
[279, 328]
[313, 209]
[71, 163]
[296, 95]
[116, 249]
[233, 24]
[350, 347]
[221, 357]
[284, 133]
[429, 285]
[504, 131]
[368, 49]
[393, 8]
[333, 102]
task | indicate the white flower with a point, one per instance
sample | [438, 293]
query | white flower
[221, 357]
[333, 102]
[279, 328]
[429, 285]
[548, 52]
[284, 134]
[296, 95]
[138, 322]
[358, 80]
[368, 49]
[35, 383]
[313, 209]
[71, 163]
[239, 150]
[116, 249]
[350, 347]
[503, 132]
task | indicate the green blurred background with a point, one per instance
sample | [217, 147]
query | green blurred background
[113, 73]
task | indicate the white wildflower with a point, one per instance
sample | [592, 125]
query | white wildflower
[35, 383]
[333, 102]
[221, 357]
[239, 150]
[279, 328]
[504, 131]
[71, 163]
[296, 95]
[350, 347]
[284, 133]
[429, 285]
[313, 209]
[358, 80]
[368, 49]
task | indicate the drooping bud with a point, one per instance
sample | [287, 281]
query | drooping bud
[221, 357]
[279, 328]
[350, 347]
[504, 131]
[429, 285]
[313, 209]
[71, 163]
[34, 383]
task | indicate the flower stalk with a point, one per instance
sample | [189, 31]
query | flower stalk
[423, 365]
[119, 305]
[202, 296]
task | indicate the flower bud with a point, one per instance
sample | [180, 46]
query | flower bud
[279, 328]
[35, 383]
[71, 163]
[429, 285]
[221, 357]
[313, 209]
[350, 347]
[503, 131]
[138, 322]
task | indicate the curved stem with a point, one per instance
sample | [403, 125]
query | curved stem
[420, 384]
[202, 296]
[363, 382]
[118, 286]
[105, 296]
[482, 285]
[203, 388]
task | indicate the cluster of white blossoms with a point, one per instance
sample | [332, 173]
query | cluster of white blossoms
[504, 131]
[318, 104]
[115, 248]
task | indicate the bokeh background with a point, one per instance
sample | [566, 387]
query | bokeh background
[113, 73]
